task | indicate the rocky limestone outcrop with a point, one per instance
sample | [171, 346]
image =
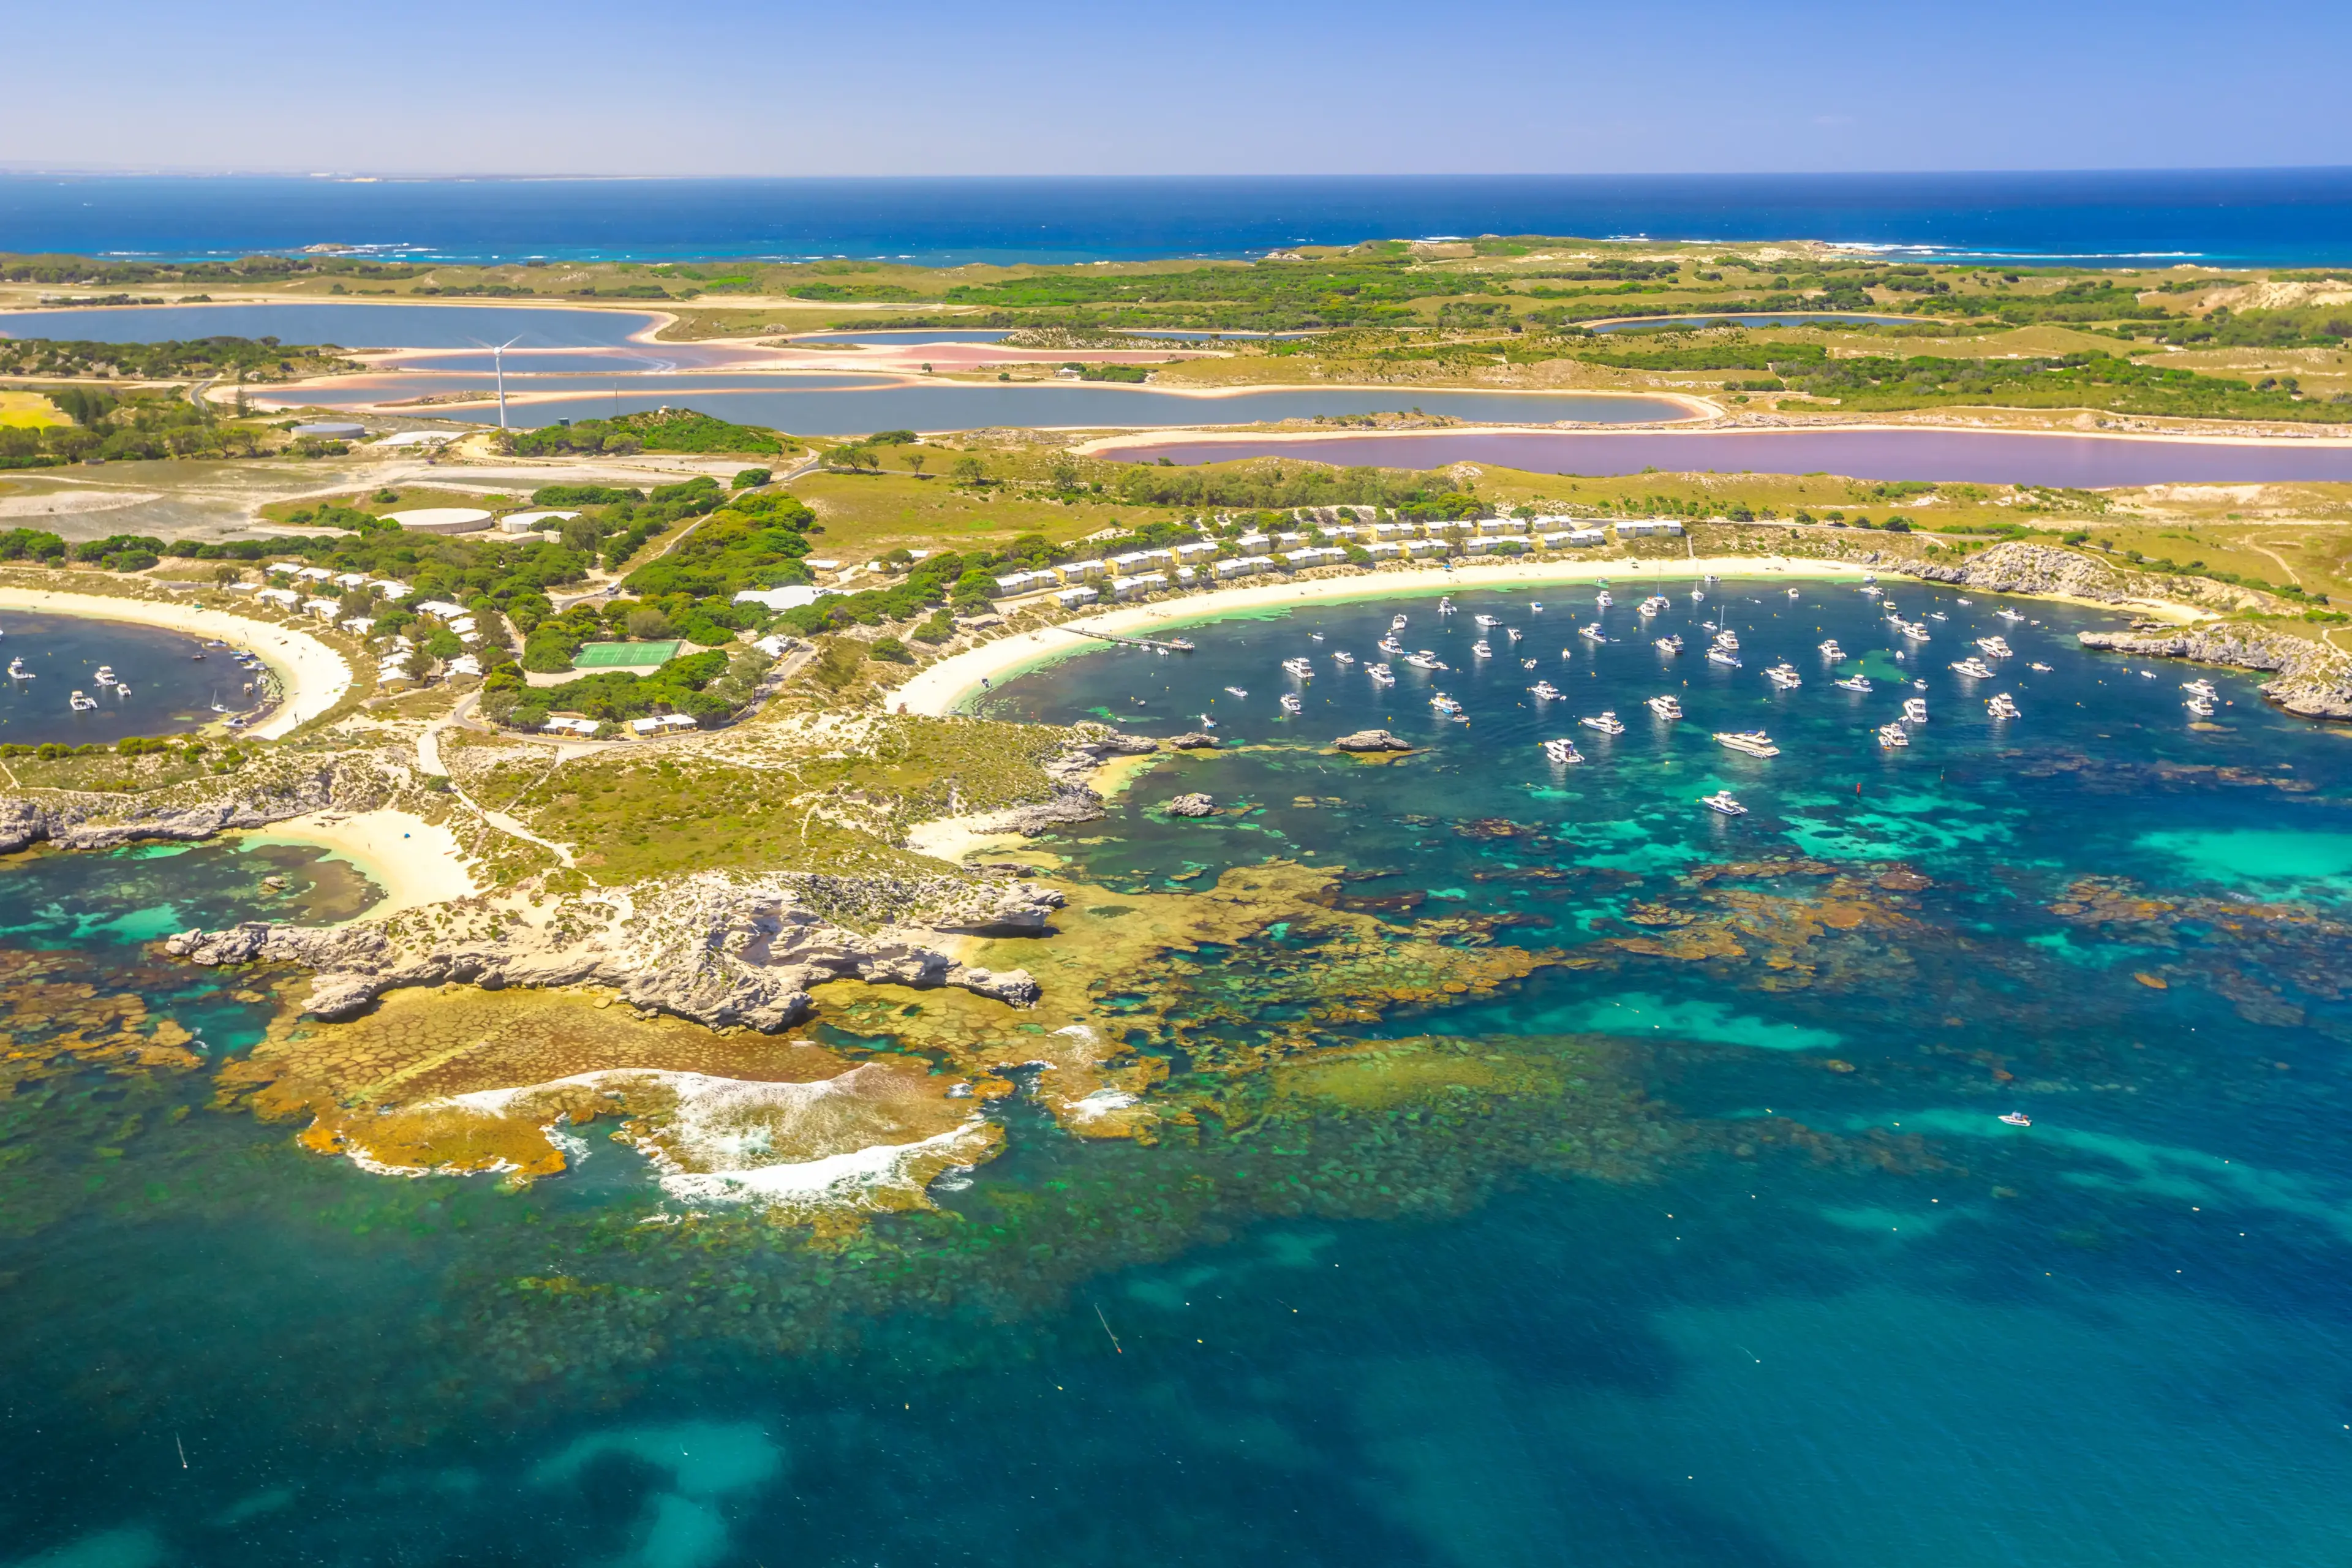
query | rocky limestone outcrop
[1192, 806]
[1199, 740]
[1371, 740]
[712, 947]
[90, 821]
[2314, 680]
[2018, 567]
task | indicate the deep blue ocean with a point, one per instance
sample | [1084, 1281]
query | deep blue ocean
[2271, 216]
[1747, 1271]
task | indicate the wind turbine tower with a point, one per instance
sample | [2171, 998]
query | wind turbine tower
[499, 366]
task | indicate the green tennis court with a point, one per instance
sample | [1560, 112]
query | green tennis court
[624, 654]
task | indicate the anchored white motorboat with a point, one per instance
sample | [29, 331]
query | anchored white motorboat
[1855, 682]
[1488, 620]
[1544, 691]
[1592, 633]
[1722, 801]
[1656, 604]
[1381, 673]
[1973, 668]
[1481, 649]
[1724, 656]
[1830, 650]
[1669, 643]
[1785, 676]
[1446, 705]
[1343, 659]
[1300, 667]
[1894, 735]
[1562, 751]
[1237, 692]
[1607, 723]
[1664, 707]
[2001, 707]
[1915, 710]
[82, 702]
[1996, 647]
[1424, 659]
[1290, 703]
[1748, 742]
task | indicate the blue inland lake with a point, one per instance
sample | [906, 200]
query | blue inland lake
[1705, 1245]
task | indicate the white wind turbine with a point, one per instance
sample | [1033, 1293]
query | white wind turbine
[497, 365]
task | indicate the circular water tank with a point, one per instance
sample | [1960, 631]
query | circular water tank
[442, 519]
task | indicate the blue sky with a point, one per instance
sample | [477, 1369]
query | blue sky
[733, 87]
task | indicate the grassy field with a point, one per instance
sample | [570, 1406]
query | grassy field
[29, 411]
[404, 498]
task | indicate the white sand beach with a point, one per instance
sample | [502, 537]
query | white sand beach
[944, 687]
[413, 860]
[314, 675]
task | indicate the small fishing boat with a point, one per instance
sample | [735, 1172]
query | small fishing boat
[1664, 707]
[1512, 633]
[1562, 751]
[1446, 705]
[2017, 1119]
[2005, 614]
[1722, 801]
[1891, 736]
[1397, 624]
[1237, 692]
[16, 671]
[1207, 722]
[1592, 633]
[1747, 743]
[1445, 606]
[2039, 668]
[1938, 615]
[1792, 593]
[1536, 608]
[1915, 710]
[1527, 664]
[1601, 600]
[1607, 723]
[1316, 635]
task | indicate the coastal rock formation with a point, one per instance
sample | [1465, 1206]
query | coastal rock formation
[79, 821]
[2314, 680]
[1073, 800]
[714, 948]
[1199, 740]
[2017, 567]
[1192, 806]
[1371, 740]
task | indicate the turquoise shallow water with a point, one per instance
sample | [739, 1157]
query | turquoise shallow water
[1809, 1301]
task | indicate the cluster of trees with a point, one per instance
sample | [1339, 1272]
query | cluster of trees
[253, 359]
[710, 686]
[2309, 327]
[1351, 291]
[757, 540]
[657, 430]
[2096, 380]
[20, 269]
[1276, 486]
[128, 426]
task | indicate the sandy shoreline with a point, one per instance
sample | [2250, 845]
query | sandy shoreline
[945, 687]
[1144, 440]
[313, 675]
[414, 861]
